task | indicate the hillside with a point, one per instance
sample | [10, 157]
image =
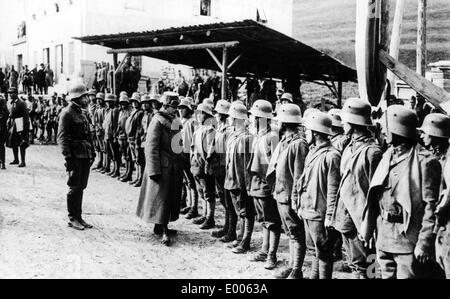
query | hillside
[330, 26]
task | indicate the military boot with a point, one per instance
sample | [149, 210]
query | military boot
[314, 269]
[274, 242]
[128, 172]
[239, 234]
[133, 182]
[261, 256]
[284, 272]
[209, 222]
[325, 269]
[113, 170]
[193, 213]
[232, 223]
[223, 232]
[299, 257]
[116, 170]
[244, 246]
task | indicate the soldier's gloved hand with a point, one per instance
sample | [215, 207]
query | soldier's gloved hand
[69, 164]
[155, 178]
[422, 256]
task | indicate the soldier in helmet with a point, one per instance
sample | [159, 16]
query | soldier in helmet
[358, 164]
[264, 145]
[339, 139]
[141, 135]
[77, 148]
[216, 160]
[318, 188]
[202, 140]
[285, 169]
[435, 133]
[237, 177]
[159, 201]
[132, 126]
[155, 102]
[122, 138]
[100, 146]
[402, 199]
[18, 127]
[187, 132]
[110, 124]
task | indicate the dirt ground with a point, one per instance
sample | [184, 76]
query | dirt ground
[35, 241]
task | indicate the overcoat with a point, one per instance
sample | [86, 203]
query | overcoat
[358, 164]
[17, 109]
[410, 180]
[159, 200]
[319, 183]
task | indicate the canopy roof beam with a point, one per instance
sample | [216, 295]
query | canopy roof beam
[219, 45]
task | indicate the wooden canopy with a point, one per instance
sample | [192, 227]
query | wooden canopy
[247, 47]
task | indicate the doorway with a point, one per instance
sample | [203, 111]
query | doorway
[59, 62]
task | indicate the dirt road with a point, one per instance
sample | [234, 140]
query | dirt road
[35, 241]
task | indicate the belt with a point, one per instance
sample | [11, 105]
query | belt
[392, 218]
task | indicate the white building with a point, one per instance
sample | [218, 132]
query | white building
[51, 24]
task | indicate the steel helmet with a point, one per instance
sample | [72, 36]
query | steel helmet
[209, 102]
[146, 99]
[223, 107]
[357, 112]
[206, 109]
[77, 91]
[287, 97]
[111, 98]
[124, 99]
[123, 93]
[185, 103]
[155, 98]
[170, 98]
[319, 122]
[289, 113]
[92, 92]
[238, 111]
[335, 115]
[13, 90]
[100, 96]
[402, 121]
[263, 109]
[437, 125]
[136, 97]
[309, 111]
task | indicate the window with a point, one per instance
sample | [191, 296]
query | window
[46, 56]
[205, 8]
[71, 58]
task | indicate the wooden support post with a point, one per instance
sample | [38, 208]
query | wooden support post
[224, 73]
[339, 98]
[234, 61]
[422, 38]
[214, 57]
[394, 49]
[115, 63]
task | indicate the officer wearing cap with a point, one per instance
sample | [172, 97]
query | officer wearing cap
[187, 132]
[285, 169]
[18, 127]
[99, 117]
[339, 139]
[202, 140]
[359, 161]
[237, 177]
[318, 188]
[78, 151]
[402, 199]
[264, 144]
[159, 201]
[132, 129]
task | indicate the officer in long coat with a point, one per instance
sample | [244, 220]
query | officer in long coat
[159, 201]
[358, 164]
[285, 169]
[260, 190]
[18, 127]
[237, 177]
[402, 199]
[142, 133]
[435, 134]
[318, 188]
[77, 148]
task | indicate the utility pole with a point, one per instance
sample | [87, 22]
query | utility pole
[422, 38]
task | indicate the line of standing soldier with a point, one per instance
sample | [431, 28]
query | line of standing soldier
[321, 177]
